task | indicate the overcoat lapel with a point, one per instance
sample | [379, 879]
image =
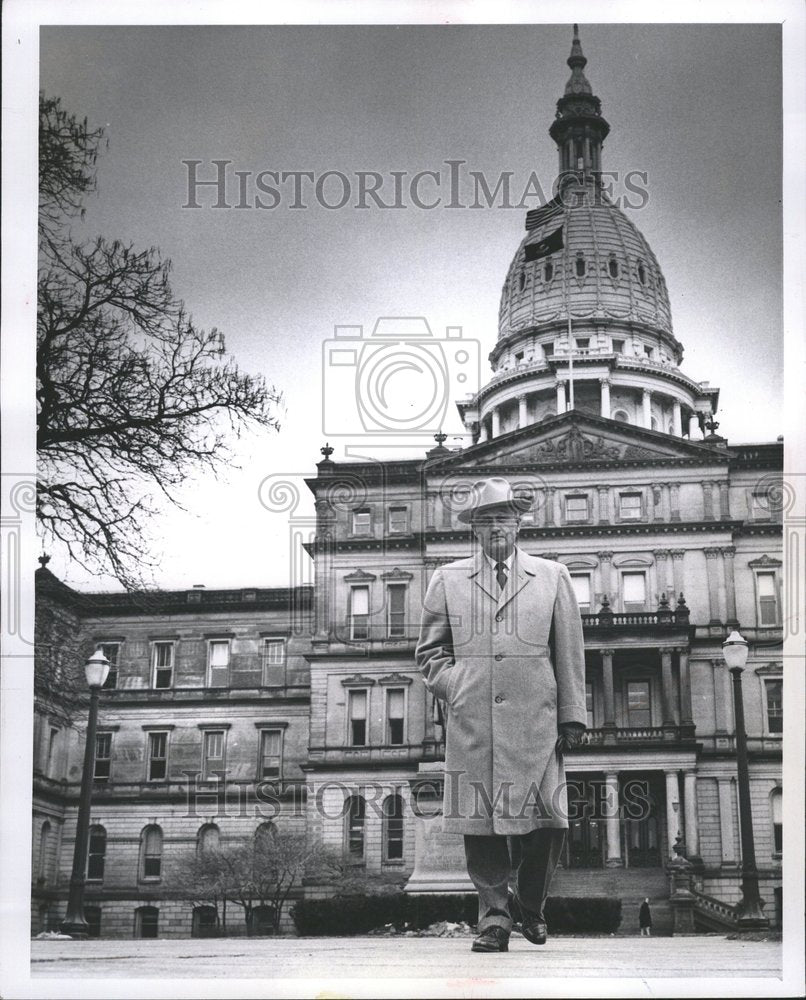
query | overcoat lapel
[521, 575]
[482, 575]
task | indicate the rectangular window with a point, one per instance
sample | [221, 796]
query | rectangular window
[398, 520]
[396, 605]
[96, 853]
[767, 599]
[589, 703]
[274, 660]
[634, 591]
[103, 756]
[359, 613]
[52, 738]
[629, 506]
[157, 756]
[583, 343]
[152, 854]
[218, 663]
[638, 708]
[649, 351]
[395, 716]
[355, 827]
[760, 507]
[582, 588]
[163, 664]
[271, 741]
[548, 350]
[362, 522]
[618, 346]
[111, 651]
[357, 714]
[213, 753]
[576, 507]
[775, 706]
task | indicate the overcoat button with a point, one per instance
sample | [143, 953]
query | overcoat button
[499, 657]
[499, 618]
[498, 699]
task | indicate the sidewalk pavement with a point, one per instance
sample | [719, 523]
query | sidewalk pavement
[368, 965]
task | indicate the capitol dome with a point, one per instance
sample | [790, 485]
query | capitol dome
[585, 322]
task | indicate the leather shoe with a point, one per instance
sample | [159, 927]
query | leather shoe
[531, 926]
[493, 938]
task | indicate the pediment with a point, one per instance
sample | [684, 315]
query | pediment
[574, 439]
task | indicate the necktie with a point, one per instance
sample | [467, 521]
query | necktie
[501, 574]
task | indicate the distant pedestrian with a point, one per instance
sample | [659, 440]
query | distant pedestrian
[645, 919]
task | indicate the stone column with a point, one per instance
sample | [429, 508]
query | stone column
[674, 491]
[665, 504]
[723, 714]
[724, 500]
[323, 582]
[672, 811]
[549, 506]
[656, 493]
[604, 513]
[647, 409]
[604, 384]
[690, 813]
[661, 556]
[607, 684]
[604, 568]
[713, 584]
[430, 511]
[523, 418]
[677, 424]
[666, 685]
[496, 422]
[707, 511]
[686, 707]
[726, 820]
[612, 821]
[559, 385]
[677, 563]
[728, 552]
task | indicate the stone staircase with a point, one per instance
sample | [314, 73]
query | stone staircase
[630, 885]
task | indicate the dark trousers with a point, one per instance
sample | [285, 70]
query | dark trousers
[492, 859]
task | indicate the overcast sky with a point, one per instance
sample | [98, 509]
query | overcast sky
[696, 107]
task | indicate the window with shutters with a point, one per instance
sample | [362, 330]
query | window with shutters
[398, 520]
[633, 590]
[103, 757]
[357, 717]
[774, 692]
[629, 506]
[271, 754]
[362, 521]
[576, 508]
[396, 610]
[274, 661]
[395, 716]
[213, 761]
[218, 663]
[157, 756]
[151, 853]
[359, 613]
[163, 665]
[96, 854]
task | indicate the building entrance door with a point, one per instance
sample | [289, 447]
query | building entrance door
[641, 827]
[584, 845]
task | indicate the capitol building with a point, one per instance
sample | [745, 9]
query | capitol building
[672, 534]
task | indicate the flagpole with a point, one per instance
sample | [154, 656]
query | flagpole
[570, 404]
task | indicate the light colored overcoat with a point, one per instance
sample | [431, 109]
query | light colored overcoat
[485, 653]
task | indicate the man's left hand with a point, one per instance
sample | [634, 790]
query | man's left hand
[570, 736]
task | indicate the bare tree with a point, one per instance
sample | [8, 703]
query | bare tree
[132, 397]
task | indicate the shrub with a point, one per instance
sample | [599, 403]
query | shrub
[345, 915]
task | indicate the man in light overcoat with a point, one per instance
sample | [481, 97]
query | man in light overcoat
[501, 645]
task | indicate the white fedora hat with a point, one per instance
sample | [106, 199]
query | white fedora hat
[493, 492]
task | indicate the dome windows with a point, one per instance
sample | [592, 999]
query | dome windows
[580, 266]
[522, 280]
[612, 267]
[548, 271]
[641, 273]
[621, 416]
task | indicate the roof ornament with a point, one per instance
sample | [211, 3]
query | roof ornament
[43, 560]
[578, 83]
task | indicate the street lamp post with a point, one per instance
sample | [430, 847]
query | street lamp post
[96, 670]
[734, 649]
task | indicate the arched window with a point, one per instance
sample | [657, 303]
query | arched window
[205, 922]
[641, 274]
[96, 853]
[548, 271]
[265, 835]
[354, 817]
[621, 416]
[392, 828]
[612, 267]
[44, 851]
[776, 811]
[208, 839]
[653, 424]
[146, 922]
[151, 853]
[580, 266]
[262, 920]
[521, 280]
